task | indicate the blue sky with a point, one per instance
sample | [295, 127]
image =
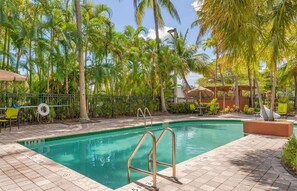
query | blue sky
[123, 15]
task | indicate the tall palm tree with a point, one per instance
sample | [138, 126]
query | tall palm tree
[140, 6]
[241, 26]
[83, 105]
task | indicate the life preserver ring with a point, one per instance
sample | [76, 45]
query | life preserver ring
[43, 109]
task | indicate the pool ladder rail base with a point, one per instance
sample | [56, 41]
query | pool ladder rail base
[153, 160]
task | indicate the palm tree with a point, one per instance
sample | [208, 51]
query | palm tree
[140, 6]
[83, 106]
[244, 26]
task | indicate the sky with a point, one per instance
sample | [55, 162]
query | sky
[123, 15]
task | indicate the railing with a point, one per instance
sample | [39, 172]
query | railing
[173, 161]
[139, 111]
[154, 173]
[146, 110]
[98, 105]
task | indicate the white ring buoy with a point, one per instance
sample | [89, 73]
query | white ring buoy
[43, 109]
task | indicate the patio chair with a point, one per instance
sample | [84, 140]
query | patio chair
[11, 115]
[282, 109]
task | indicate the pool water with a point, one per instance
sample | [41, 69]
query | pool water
[103, 156]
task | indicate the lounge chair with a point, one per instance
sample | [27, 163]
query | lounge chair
[11, 115]
[282, 109]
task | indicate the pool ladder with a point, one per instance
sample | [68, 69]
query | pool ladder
[143, 114]
[153, 152]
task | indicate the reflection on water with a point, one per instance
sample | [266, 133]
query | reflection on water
[103, 157]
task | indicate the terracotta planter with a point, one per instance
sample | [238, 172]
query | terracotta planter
[275, 128]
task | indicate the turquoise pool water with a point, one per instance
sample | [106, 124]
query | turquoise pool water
[103, 156]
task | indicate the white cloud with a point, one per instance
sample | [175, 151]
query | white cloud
[163, 33]
[197, 5]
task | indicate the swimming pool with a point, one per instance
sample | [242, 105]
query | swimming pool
[103, 156]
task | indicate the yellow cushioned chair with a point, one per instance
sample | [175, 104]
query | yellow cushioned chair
[192, 107]
[282, 109]
[11, 114]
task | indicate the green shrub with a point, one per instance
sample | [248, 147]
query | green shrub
[52, 115]
[248, 110]
[180, 107]
[213, 107]
[289, 154]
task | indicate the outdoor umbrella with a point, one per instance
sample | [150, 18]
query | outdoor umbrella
[201, 92]
[11, 76]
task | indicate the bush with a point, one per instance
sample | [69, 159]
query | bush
[180, 108]
[248, 110]
[289, 154]
[213, 107]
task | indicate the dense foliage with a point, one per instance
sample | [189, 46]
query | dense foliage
[40, 38]
[252, 38]
[289, 154]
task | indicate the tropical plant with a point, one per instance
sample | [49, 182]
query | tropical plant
[289, 154]
[140, 6]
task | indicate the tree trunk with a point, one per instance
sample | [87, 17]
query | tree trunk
[216, 72]
[18, 60]
[265, 117]
[271, 118]
[223, 84]
[236, 94]
[66, 70]
[4, 49]
[295, 88]
[83, 106]
[8, 50]
[86, 74]
[30, 66]
[163, 105]
[186, 82]
[251, 85]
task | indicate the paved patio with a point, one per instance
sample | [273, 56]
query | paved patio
[249, 163]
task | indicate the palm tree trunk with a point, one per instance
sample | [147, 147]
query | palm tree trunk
[8, 50]
[163, 105]
[216, 72]
[251, 85]
[271, 118]
[66, 70]
[223, 84]
[83, 105]
[265, 117]
[18, 60]
[86, 74]
[4, 49]
[30, 66]
[186, 82]
[236, 93]
[295, 85]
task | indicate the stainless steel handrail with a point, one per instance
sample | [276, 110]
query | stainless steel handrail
[149, 113]
[153, 150]
[173, 164]
[139, 110]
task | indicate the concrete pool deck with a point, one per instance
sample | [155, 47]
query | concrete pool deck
[249, 163]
